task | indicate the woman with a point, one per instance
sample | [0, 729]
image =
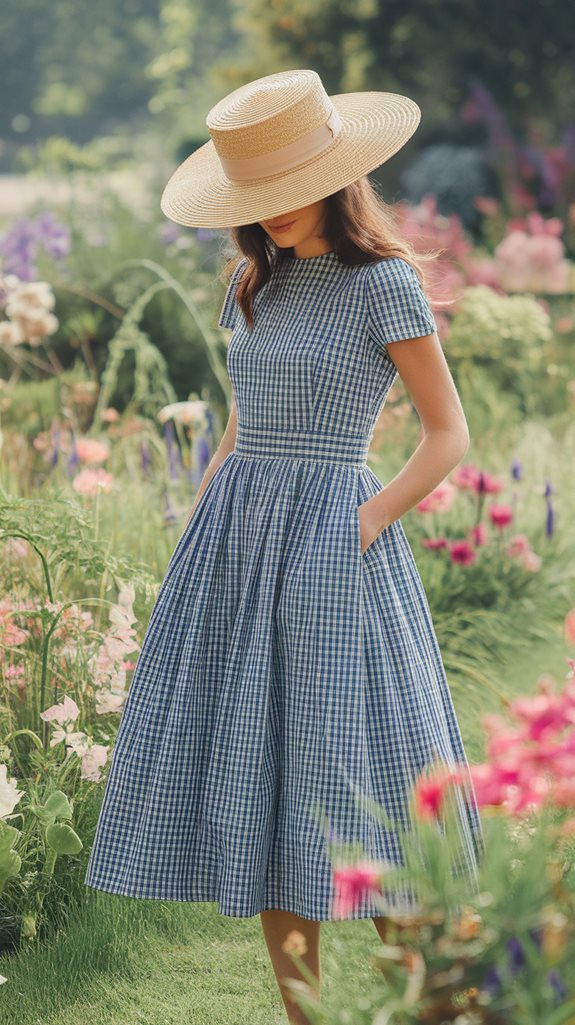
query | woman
[290, 665]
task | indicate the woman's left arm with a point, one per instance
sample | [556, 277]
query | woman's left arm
[422, 366]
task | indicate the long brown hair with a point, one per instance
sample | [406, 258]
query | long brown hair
[359, 226]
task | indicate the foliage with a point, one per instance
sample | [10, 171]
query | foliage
[53, 646]
[507, 335]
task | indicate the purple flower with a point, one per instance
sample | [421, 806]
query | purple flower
[19, 245]
[516, 470]
[203, 453]
[173, 451]
[557, 985]
[169, 514]
[516, 958]
[73, 459]
[56, 449]
[52, 236]
[492, 981]
[205, 234]
[487, 110]
[145, 457]
[169, 233]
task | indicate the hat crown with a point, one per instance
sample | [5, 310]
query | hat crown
[268, 113]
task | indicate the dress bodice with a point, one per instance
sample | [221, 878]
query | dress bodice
[315, 360]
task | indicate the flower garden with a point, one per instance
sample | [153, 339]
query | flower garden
[113, 396]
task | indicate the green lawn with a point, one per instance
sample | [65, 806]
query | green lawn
[129, 962]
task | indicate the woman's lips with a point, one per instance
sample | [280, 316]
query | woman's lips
[284, 227]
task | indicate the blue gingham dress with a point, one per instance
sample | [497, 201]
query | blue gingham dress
[283, 670]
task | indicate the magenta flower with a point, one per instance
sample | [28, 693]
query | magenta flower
[489, 784]
[462, 552]
[501, 515]
[429, 792]
[541, 713]
[478, 535]
[435, 542]
[488, 484]
[352, 882]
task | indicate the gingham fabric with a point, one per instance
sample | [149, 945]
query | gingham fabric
[283, 672]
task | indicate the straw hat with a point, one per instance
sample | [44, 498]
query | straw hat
[279, 143]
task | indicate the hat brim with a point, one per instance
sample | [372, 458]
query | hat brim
[375, 125]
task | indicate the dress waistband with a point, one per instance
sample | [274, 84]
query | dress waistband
[270, 443]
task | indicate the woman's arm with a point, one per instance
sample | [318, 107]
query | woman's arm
[422, 366]
[224, 448]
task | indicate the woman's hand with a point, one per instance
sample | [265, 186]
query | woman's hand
[370, 524]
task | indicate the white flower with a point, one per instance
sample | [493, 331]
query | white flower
[66, 711]
[9, 793]
[191, 412]
[93, 759]
[10, 333]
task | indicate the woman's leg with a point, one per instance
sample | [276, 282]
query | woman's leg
[382, 926]
[276, 925]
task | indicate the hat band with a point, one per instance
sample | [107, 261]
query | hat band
[283, 159]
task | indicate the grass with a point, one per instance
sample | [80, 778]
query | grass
[162, 963]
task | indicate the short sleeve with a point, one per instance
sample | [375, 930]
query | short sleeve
[397, 306]
[227, 316]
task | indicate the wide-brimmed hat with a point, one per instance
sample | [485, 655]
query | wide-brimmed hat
[279, 143]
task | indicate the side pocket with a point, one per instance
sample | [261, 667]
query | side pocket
[373, 550]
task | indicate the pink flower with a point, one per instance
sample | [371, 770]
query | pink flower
[569, 627]
[110, 415]
[541, 713]
[518, 545]
[13, 672]
[435, 542]
[531, 562]
[352, 882]
[532, 794]
[10, 633]
[564, 793]
[438, 500]
[500, 515]
[489, 784]
[465, 476]
[462, 552]
[16, 548]
[478, 534]
[489, 484]
[89, 482]
[90, 450]
[430, 792]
